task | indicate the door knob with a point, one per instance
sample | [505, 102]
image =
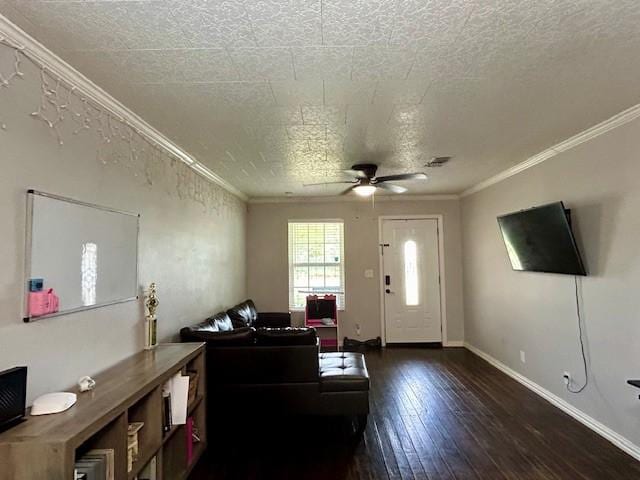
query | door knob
[388, 290]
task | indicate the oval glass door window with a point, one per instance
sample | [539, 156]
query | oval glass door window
[411, 287]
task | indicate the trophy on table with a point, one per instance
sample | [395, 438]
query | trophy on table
[151, 322]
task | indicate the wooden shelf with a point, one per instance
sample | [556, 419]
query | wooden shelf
[169, 434]
[194, 404]
[46, 447]
[197, 453]
[147, 410]
[143, 459]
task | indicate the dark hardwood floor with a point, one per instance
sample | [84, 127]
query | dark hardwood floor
[435, 414]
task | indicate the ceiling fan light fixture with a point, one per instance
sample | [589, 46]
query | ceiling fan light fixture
[364, 190]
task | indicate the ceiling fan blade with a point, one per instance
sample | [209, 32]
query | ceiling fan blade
[326, 183]
[402, 176]
[391, 187]
[355, 173]
[348, 190]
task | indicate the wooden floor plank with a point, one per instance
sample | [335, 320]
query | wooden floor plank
[436, 414]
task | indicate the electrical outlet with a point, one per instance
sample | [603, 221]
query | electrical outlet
[368, 273]
[567, 378]
[357, 329]
[523, 358]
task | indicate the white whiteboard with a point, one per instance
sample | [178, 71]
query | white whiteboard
[86, 253]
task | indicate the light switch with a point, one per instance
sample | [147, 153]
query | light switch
[368, 273]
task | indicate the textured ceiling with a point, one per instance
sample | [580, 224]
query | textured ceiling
[272, 94]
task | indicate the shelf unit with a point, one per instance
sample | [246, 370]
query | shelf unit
[318, 307]
[46, 447]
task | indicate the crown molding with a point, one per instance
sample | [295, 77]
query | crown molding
[67, 73]
[42, 55]
[353, 198]
[617, 120]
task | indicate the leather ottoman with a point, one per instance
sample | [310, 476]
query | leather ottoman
[344, 386]
[343, 372]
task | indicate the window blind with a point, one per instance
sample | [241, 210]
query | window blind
[316, 261]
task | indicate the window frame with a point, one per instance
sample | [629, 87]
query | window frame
[292, 264]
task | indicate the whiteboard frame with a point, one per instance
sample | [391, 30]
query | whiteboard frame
[29, 244]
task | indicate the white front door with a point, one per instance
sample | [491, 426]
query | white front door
[411, 281]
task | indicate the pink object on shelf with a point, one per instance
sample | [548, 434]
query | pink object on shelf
[321, 312]
[43, 302]
[189, 432]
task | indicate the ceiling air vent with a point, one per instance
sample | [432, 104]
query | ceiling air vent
[437, 161]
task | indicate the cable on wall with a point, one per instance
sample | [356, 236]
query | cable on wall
[584, 357]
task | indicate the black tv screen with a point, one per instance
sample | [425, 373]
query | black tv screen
[540, 240]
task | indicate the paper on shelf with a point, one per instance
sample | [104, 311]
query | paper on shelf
[179, 397]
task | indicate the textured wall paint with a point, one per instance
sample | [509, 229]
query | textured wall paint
[192, 238]
[267, 263]
[507, 311]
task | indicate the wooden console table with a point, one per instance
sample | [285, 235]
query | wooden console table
[46, 447]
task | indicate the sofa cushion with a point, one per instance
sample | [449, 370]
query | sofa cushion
[286, 336]
[243, 315]
[343, 372]
[220, 322]
[273, 319]
[236, 337]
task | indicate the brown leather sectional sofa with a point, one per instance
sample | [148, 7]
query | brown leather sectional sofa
[258, 362]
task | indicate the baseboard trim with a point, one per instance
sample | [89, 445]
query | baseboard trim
[615, 438]
[454, 343]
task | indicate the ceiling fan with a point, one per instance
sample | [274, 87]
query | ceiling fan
[366, 182]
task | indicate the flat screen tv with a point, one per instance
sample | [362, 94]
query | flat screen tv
[540, 240]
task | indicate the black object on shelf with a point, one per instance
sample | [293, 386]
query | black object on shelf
[13, 393]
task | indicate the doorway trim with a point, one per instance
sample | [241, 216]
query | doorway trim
[443, 303]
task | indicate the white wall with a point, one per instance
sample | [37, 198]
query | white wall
[191, 240]
[267, 257]
[507, 311]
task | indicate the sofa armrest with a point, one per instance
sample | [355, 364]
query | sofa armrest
[273, 319]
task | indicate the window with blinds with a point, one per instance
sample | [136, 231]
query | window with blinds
[316, 261]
